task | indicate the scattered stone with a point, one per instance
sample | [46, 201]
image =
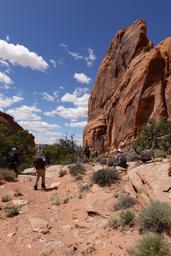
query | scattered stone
[19, 202]
[55, 185]
[66, 227]
[96, 188]
[40, 225]
[11, 234]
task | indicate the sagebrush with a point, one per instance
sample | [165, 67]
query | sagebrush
[151, 245]
[104, 177]
[156, 217]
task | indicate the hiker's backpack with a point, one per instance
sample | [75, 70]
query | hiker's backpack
[39, 163]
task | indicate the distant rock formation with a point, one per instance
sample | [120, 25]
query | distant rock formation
[132, 85]
[14, 127]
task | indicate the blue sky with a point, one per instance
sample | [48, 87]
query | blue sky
[50, 51]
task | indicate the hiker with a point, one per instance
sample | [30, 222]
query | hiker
[120, 159]
[39, 164]
[14, 160]
[87, 152]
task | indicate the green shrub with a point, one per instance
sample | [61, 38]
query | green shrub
[104, 177]
[24, 166]
[86, 161]
[153, 135]
[6, 199]
[84, 187]
[127, 218]
[56, 200]
[114, 222]
[103, 161]
[132, 156]
[44, 254]
[65, 200]
[151, 245]
[17, 193]
[12, 211]
[110, 162]
[77, 169]
[7, 175]
[65, 151]
[78, 177]
[124, 201]
[156, 217]
[62, 173]
[158, 153]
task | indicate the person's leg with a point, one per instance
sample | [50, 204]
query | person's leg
[43, 182]
[36, 183]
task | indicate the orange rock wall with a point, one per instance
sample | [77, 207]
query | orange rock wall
[132, 85]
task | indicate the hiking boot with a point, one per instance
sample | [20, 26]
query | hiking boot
[43, 186]
[35, 187]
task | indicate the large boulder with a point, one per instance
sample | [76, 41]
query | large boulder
[149, 181]
[132, 85]
[40, 225]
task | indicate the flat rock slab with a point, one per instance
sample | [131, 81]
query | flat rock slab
[99, 203]
[40, 225]
[55, 185]
[51, 171]
[149, 181]
[19, 202]
[29, 171]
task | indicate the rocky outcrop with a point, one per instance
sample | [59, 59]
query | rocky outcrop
[13, 127]
[149, 181]
[132, 85]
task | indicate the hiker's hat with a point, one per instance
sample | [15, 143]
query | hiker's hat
[119, 150]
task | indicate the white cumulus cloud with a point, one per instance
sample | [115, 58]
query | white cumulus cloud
[5, 79]
[4, 63]
[47, 137]
[53, 62]
[38, 125]
[77, 124]
[68, 113]
[75, 55]
[47, 97]
[7, 101]
[20, 55]
[82, 78]
[7, 38]
[25, 113]
[90, 58]
[79, 98]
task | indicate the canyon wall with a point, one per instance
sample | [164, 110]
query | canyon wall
[133, 84]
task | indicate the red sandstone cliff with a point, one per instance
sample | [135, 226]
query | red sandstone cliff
[132, 85]
[13, 127]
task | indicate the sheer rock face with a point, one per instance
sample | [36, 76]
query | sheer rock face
[132, 85]
[14, 127]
